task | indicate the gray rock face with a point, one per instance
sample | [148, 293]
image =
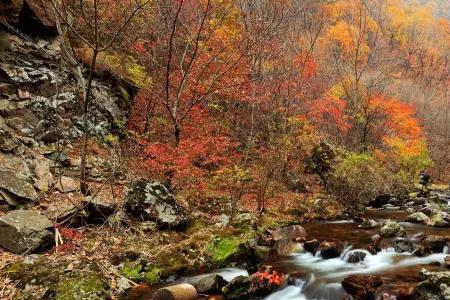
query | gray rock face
[152, 201]
[39, 97]
[7, 142]
[25, 231]
[17, 186]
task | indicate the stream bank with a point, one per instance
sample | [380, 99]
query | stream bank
[397, 264]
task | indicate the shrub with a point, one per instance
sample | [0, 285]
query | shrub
[356, 178]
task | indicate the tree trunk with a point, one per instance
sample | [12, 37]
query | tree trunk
[177, 134]
[83, 184]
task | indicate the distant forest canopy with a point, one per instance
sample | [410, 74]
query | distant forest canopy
[240, 93]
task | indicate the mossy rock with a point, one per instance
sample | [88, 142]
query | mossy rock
[88, 286]
[132, 270]
[194, 225]
[51, 279]
[153, 276]
[224, 251]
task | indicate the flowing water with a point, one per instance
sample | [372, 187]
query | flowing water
[314, 278]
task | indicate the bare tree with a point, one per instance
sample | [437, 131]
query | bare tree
[85, 24]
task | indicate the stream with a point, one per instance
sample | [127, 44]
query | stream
[314, 278]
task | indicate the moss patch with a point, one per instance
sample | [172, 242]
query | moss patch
[83, 286]
[132, 270]
[153, 276]
[223, 249]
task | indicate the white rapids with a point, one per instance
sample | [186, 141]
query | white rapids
[325, 275]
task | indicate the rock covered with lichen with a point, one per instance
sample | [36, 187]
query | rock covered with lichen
[152, 201]
[25, 231]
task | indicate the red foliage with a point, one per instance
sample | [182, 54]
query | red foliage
[71, 239]
[204, 148]
[141, 107]
[271, 277]
[330, 113]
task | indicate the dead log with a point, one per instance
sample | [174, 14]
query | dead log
[182, 291]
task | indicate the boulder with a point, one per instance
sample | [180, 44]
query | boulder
[311, 246]
[434, 286]
[290, 232]
[368, 224]
[356, 256]
[418, 217]
[25, 231]
[447, 262]
[44, 178]
[17, 186]
[380, 200]
[152, 201]
[256, 286]
[431, 244]
[287, 246]
[330, 249]
[437, 221]
[376, 242]
[97, 211]
[66, 184]
[362, 287]
[211, 284]
[67, 213]
[391, 229]
[8, 142]
[403, 245]
[238, 288]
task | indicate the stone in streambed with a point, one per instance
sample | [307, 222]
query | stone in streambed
[391, 229]
[211, 284]
[418, 217]
[434, 286]
[368, 224]
[290, 232]
[403, 245]
[311, 246]
[257, 286]
[330, 249]
[362, 287]
[431, 244]
[447, 262]
[287, 246]
[25, 231]
[356, 256]
[380, 200]
[437, 221]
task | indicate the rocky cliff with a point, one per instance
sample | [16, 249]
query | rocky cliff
[40, 103]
